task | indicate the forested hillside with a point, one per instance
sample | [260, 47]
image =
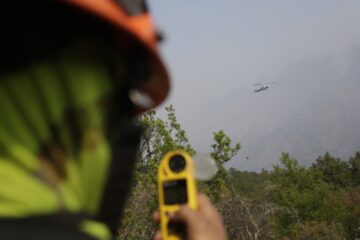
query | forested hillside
[289, 201]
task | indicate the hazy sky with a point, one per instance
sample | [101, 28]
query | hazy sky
[213, 47]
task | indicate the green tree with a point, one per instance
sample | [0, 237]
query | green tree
[246, 210]
[302, 196]
[251, 185]
[317, 231]
[333, 171]
[160, 136]
[222, 152]
[351, 222]
[355, 169]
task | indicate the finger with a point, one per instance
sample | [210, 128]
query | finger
[158, 236]
[156, 217]
[204, 204]
[186, 215]
[206, 208]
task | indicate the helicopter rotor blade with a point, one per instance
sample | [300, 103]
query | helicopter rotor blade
[263, 84]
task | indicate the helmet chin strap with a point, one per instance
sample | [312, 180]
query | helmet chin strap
[124, 145]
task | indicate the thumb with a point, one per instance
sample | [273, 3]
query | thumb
[186, 215]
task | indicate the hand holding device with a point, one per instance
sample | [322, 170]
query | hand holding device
[177, 187]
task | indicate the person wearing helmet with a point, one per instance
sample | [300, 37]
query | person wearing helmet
[73, 74]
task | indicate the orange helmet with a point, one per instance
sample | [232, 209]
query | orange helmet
[131, 17]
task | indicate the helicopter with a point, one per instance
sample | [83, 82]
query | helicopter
[263, 86]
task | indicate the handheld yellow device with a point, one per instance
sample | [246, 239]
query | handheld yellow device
[176, 187]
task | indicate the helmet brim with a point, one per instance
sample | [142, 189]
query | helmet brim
[140, 30]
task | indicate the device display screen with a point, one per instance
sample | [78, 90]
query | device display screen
[175, 192]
